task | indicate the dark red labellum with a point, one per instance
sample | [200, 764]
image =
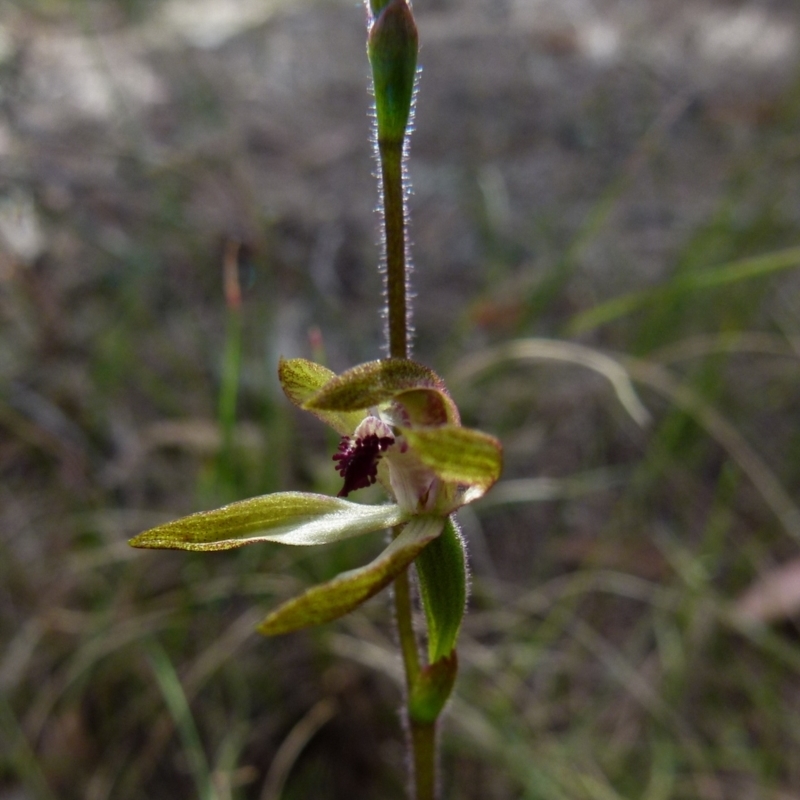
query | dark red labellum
[357, 460]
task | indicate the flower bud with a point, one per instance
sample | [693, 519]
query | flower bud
[392, 46]
[376, 6]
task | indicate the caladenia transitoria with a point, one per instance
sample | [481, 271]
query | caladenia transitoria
[400, 428]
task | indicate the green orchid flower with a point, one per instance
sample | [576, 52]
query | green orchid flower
[399, 427]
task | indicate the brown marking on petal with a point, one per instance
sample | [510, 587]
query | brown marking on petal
[358, 460]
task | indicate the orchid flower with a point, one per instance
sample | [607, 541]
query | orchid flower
[399, 427]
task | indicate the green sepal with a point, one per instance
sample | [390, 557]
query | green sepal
[347, 591]
[442, 572]
[301, 380]
[392, 47]
[421, 391]
[432, 688]
[458, 455]
[286, 517]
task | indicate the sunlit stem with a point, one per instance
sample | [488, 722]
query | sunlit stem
[423, 737]
[392, 46]
[394, 221]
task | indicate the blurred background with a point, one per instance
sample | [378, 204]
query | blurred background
[606, 196]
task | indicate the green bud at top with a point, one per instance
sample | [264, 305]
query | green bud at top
[376, 6]
[392, 46]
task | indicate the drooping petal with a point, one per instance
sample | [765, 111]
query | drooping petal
[458, 455]
[301, 380]
[349, 590]
[378, 382]
[287, 517]
[442, 571]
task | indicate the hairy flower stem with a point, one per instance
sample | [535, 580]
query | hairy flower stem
[423, 736]
[405, 627]
[394, 221]
[392, 47]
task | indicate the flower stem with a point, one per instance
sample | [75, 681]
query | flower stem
[394, 221]
[422, 735]
[405, 628]
[392, 47]
[423, 738]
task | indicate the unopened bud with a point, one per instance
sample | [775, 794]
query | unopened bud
[376, 6]
[392, 46]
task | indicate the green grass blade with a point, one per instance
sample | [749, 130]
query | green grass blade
[732, 272]
[178, 706]
[19, 756]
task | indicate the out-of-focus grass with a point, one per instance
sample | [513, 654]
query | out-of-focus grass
[602, 657]
[629, 674]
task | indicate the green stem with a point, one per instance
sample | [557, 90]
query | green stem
[405, 628]
[394, 222]
[423, 739]
[392, 48]
[423, 735]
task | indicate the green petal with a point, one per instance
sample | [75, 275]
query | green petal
[349, 590]
[301, 380]
[442, 572]
[376, 382]
[458, 455]
[286, 517]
